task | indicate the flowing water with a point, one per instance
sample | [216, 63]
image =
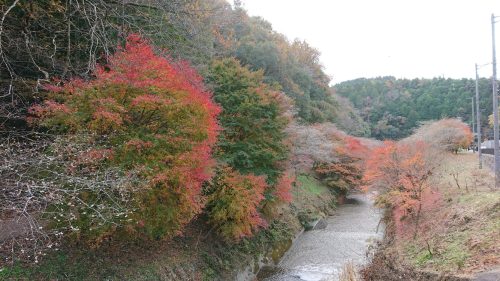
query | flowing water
[320, 254]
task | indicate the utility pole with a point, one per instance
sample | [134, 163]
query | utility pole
[472, 119]
[478, 123]
[495, 106]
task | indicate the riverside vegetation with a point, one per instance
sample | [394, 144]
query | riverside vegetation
[186, 140]
[441, 210]
[131, 153]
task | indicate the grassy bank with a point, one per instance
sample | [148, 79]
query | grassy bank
[196, 255]
[459, 232]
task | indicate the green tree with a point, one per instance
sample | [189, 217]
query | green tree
[294, 66]
[253, 134]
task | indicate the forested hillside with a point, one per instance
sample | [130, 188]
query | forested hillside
[46, 40]
[394, 107]
[163, 126]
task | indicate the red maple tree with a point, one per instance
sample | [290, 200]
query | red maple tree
[156, 116]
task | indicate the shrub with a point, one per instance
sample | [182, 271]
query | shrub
[57, 187]
[345, 171]
[445, 134]
[283, 188]
[313, 143]
[341, 176]
[233, 203]
[156, 118]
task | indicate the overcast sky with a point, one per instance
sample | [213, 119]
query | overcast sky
[406, 39]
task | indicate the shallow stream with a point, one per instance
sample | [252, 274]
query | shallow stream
[320, 254]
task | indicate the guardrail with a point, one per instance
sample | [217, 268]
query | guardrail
[488, 151]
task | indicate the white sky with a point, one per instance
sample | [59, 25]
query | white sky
[402, 38]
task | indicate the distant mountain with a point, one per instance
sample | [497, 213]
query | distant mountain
[394, 107]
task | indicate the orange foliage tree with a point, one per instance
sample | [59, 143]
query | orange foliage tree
[346, 171]
[403, 171]
[233, 203]
[155, 117]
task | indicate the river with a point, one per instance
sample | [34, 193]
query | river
[320, 254]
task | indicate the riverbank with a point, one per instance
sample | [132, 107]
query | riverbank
[459, 235]
[198, 254]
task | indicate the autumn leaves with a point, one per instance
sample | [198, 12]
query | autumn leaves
[403, 170]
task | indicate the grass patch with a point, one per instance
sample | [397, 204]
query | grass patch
[310, 184]
[455, 254]
[15, 272]
[56, 266]
[423, 258]
[472, 199]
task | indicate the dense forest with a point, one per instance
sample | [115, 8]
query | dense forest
[393, 108]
